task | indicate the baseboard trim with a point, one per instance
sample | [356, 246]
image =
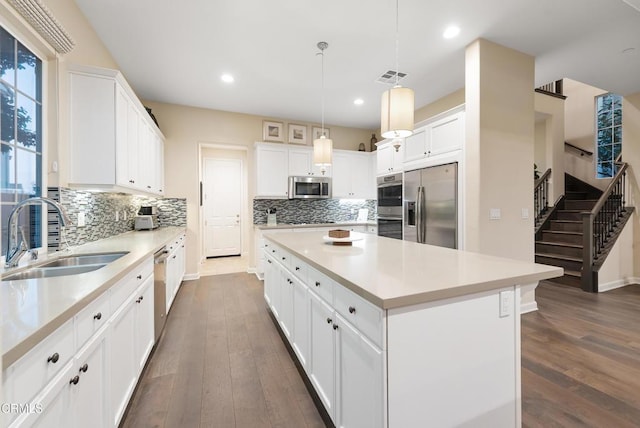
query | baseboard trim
[617, 284]
[191, 276]
[528, 307]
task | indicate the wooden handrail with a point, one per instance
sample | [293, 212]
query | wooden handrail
[580, 149]
[542, 178]
[605, 195]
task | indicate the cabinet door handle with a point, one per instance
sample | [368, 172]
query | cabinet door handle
[97, 316]
[53, 358]
[174, 256]
[335, 326]
[297, 268]
[352, 310]
[139, 276]
[273, 251]
[317, 283]
[284, 258]
[74, 380]
[329, 320]
[84, 368]
[269, 261]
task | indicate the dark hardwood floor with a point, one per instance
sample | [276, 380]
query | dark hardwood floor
[581, 358]
[221, 362]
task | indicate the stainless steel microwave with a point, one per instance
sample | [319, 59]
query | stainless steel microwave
[309, 187]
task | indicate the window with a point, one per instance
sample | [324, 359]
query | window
[608, 134]
[20, 135]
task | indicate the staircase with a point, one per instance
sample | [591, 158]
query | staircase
[560, 240]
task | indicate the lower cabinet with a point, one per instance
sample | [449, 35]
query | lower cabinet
[359, 378]
[322, 356]
[343, 362]
[175, 268]
[88, 382]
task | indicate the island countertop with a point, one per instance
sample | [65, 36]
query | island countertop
[392, 273]
[34, 308]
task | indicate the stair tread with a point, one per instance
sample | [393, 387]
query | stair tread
[562, 232]
[559, 256]
[560, 244]
[566, 221]
[574, 273]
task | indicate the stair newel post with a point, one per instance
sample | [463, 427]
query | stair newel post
[587, 251]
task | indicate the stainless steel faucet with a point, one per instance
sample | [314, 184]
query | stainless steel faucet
[16, 242]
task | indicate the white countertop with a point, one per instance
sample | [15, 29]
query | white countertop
[311, 225]
[392, 273]
[34, 308]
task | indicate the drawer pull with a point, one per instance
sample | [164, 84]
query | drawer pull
[74, 380]
[84, 368]
[284, 258]
[317, 283]
[174, 256]
[352, 310]
[139, 276]
[329, 320]
[269, 261]
[297, 268]
[335, 326]
[273, 251]
[139, 299]
[54, 358]
[97, 316]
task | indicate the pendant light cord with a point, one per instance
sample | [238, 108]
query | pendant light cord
[322, 46]
[397, 39]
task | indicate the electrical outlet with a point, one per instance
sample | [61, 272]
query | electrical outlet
[525, 213]
[494, 214]
[506, 303]
[117, 215]
[81, 219]
[124, 214]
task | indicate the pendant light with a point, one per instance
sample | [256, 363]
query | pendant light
[323, 146]
[396, 120]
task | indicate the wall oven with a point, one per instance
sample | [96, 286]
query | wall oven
[390, 206]
[309, 187]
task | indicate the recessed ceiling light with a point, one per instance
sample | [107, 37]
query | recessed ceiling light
[227, 78]
[451, 31]
[358, 101]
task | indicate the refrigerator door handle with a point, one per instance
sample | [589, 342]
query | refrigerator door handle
[420, 212]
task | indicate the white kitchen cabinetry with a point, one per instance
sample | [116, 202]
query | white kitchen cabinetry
[322, 348]
[175, 268]
[113, 141]
[389, 159]
[272, 171]
[352, 177]
[335, 334]
[301, 163]
[359, 379]
[88, 396]
[443, 135]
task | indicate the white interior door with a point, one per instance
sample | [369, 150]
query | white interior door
[222, 200]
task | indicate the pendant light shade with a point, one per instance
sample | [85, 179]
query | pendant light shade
[322, 152]
[396, 120]
[323, 146]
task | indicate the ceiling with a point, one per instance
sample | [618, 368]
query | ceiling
[176, 51]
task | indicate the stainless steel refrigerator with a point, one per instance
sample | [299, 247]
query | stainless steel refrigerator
[431, 205]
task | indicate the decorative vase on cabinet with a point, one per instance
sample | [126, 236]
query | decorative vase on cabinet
[374, 140]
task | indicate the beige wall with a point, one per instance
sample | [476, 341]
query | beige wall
[441, 105]
[631, 155]
[185, 128]
[580, 131]
[550, 110]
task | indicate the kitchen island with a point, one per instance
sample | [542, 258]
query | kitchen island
[393, 333]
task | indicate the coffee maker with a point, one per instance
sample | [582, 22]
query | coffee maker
[147, 218]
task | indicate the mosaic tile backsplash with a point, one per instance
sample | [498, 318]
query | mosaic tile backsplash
[100, 214]
[311, 210]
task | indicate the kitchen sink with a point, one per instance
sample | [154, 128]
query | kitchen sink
[50, 272]
[66, 265]
[84, 259]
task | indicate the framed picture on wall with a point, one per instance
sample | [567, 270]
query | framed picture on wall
[273, 131]
[317, 132]
[297, 134]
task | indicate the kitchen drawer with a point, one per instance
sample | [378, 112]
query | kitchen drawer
[284, 258]
[299, 269]
[365, 316]
[321, 284]
[272, 249]
[130, 283]
[28, 375]
[91, 318]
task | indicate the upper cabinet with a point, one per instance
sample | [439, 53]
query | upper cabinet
[272, 170]
[301, 163]
[389, 159]
[352, 176]
[114, 144]
[443, 135]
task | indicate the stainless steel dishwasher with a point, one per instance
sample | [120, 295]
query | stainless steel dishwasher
[159, 290]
